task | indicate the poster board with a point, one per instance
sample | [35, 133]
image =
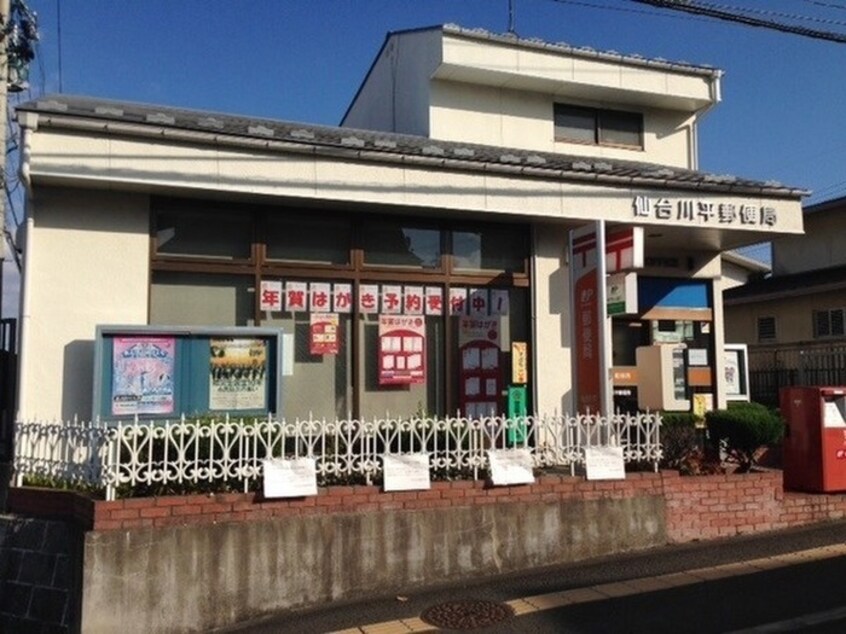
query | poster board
[736, 371]
[167, 371]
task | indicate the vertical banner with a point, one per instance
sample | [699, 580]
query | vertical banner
[324, 334]
[142, 381]
[479, 376]
[237, 374]
[402, 349]
[457, 301]
[413, 300]
[391, 299]
[589, 314]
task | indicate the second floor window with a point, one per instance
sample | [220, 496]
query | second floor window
[597, 126]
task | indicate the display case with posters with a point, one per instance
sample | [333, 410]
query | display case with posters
[164, 372]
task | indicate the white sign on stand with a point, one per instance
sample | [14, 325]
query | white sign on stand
[511, 466]
[408, 472]
[605, 463]
[289, 478]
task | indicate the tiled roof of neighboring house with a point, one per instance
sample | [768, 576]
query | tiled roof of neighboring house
[364, 145]
[805, 283]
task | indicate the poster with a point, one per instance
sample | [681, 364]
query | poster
[732, 371]
[238, 374]
[479, 375]
[142, 378]
[324, 334]
[402, 350]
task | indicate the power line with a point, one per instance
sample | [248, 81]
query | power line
[694, 8]
[657, 14]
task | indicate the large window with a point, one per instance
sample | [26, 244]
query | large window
[375, 309]
[597, 126]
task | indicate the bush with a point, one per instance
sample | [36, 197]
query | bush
[681, 444]
[743, 429]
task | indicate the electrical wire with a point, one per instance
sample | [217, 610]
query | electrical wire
[656, 14]
[695, 8]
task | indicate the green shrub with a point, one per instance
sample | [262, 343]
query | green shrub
[743, 429]
[682, 446]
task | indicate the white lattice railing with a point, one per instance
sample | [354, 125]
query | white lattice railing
[181, 452]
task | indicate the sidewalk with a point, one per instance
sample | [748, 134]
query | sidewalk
[532, 592]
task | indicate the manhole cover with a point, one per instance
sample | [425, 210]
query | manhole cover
[466, 615]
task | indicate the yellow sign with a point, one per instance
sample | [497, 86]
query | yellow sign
[519, 362]
[702, 403]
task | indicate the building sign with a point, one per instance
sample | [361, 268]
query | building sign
[704, 212]
[623, 249]
[238, 374]
[621, 298]
[142, 379]
[402, 350]
[589, 316]
[324, 334]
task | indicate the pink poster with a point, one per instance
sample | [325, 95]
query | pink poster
[142, 375]
[402, 349]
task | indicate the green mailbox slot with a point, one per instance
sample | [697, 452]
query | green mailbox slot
[516, 432]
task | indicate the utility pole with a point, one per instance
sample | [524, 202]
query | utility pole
[5, 14]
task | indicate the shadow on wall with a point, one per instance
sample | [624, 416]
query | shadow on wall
[78, 379]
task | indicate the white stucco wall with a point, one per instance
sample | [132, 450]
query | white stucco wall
[86, 263]
[394, 95]
[520, 119]
[551, 320]
[104, 162]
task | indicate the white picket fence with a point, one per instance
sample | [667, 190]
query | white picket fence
[134, 453]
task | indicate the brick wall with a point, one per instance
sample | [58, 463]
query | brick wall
[244, 507]
[701, 507]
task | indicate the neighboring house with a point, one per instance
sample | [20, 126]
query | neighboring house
[739, 269]
[464, 162]
[796, 316]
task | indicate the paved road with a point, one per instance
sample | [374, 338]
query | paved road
[780, 582]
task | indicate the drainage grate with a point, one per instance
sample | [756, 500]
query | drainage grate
[467, 615]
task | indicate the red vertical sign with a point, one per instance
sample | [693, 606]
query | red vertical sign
[588, 318]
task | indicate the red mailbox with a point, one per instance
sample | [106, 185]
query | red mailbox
[815, 438]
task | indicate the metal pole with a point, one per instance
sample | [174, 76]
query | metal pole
[4, 78]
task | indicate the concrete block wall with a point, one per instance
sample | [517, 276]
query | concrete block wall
[39, 575]
[231, 557]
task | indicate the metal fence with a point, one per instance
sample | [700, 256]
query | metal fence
[771, 368]
[122, 456]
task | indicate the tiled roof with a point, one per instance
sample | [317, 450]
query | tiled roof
[804, 283]
[580, 51]
[365, 145]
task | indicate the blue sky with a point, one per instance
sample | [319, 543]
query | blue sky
[781, 118]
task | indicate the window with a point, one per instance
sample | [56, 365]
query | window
[308, 239]
[490, 248]
[398, 244]
[829, 323]
[596, 126]
[766, 329]
[203, 232]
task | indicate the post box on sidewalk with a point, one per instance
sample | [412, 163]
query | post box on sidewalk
[815, 438]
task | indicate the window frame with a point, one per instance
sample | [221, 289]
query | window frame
[759, 329]
[597, 115]
[829, 321]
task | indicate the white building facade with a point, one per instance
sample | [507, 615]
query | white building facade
[443, 207]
